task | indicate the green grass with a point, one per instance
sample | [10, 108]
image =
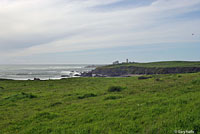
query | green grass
[158, 105]
[160, 64]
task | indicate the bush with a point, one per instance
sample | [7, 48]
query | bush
[55, 104]
[87, 96]
[157, 79]
[143, 77]
[112, 97]
[179, 76]
[26, 95]
[115, 89]
[20, 96]
[196, 82]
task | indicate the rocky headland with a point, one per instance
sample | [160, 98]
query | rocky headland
[129, 70]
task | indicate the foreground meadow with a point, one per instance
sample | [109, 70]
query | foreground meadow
[163, 104]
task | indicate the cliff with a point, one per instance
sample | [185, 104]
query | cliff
[147, 68]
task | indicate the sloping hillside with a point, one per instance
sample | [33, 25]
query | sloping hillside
[160, 104]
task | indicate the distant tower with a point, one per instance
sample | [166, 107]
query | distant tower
[126, 60]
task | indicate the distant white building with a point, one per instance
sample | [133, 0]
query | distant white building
[115, 62]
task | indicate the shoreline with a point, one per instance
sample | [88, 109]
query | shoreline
[46, 79]
[36, 79]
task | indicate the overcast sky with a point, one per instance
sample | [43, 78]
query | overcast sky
[98, 31]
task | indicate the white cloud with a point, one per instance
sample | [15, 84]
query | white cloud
[33, 26]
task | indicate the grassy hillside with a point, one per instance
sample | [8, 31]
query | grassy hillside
[161, 64]
[164, 67]
[158, 105]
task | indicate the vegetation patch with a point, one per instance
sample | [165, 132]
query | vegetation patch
[55, 104]
[197, 82]
[45, 116]
[28, 95]
[179, 76]
[87, 96]
[20, 96]
[157, 79]
[115, 89]
[112, 97]
[144, 77]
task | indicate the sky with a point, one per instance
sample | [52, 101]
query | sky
[98, 31]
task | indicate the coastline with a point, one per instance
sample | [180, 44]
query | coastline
[131, 69]
[118, 70]
[43, 71]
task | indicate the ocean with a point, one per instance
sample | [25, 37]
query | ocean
[43, 72]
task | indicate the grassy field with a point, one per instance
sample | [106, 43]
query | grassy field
[161, 64]
[158, 105]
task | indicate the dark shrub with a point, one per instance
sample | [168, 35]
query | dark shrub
[179, 76]
[20, 96]
[143, 77]
[115, 89]
[157, 79]
[26, 95]
[31, 96]
[87, 96]
[112, 97]
[196, 82]
[55, 104]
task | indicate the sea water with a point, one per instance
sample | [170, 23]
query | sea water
[43, 72]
